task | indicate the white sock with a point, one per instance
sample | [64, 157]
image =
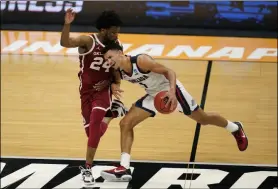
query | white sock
[125, 160]
[232, 127]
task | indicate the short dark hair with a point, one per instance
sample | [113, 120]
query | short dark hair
[111, 46]
[107, 19]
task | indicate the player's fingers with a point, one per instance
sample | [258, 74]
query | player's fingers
[173, 105]
[117, 96]
[171, 102]
[168, 103]
[99, 83]
[102, 84]
[115, 91]
[99, 87]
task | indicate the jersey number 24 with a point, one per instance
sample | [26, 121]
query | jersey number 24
[98, 63]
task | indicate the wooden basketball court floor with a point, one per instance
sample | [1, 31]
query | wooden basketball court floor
[40, 112]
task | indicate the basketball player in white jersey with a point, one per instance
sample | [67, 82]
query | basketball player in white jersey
[154, 77]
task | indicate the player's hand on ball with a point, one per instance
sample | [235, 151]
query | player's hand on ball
[116, 91]
[70, 15]
[172, 100]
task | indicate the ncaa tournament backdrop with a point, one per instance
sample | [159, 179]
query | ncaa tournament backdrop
[247, 15]
[240, 15]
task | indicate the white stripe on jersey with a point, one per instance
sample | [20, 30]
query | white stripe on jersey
[98, 40]
[92, 48]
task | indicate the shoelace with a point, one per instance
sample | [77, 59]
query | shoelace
[81, 169]
[84, 171]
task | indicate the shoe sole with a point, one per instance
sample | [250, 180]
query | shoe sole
[88, 185]
[113, 178]
[244, 134]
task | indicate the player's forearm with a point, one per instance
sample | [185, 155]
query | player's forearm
[117, 78]
[171, 76]
[65, 36]
[117, 81]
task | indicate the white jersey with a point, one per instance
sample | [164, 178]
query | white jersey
[153, 83]
[150, 81]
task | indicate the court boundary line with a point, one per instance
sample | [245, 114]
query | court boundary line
[137, 161]
[202, 105]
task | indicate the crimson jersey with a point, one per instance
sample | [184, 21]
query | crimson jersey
[93, 67]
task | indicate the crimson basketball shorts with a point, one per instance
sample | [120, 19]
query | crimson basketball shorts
[95, 100]
[186, 103]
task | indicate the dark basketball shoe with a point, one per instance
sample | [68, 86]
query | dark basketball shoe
[118, 109]
[117, 174]
[241, 138]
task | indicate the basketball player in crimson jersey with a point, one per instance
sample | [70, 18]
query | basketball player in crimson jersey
[143, 70]
[95, 76]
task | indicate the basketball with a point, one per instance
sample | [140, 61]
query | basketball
[160, 103]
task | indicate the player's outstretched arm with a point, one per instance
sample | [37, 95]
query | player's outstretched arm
[70, 42]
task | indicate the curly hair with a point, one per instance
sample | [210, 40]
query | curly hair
[107, 19]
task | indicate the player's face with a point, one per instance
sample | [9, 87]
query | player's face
[111, 34]
[113, 58]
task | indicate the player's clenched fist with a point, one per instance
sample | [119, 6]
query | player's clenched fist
[70, 15]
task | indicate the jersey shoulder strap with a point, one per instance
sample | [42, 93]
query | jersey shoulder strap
[133, 59]
[135, 66]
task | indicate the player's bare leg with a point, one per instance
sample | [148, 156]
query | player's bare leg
[134, 116]
[236, 128]
[206, 118]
